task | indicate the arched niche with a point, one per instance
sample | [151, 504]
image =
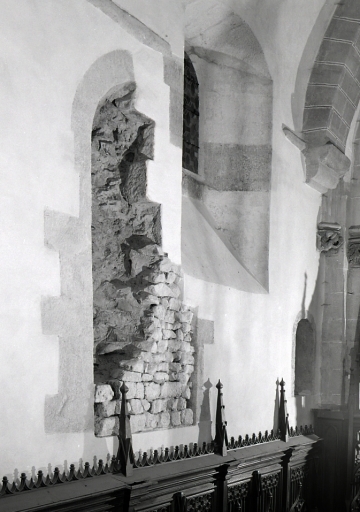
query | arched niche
[232, 192]
[304, 358]
[70, 316]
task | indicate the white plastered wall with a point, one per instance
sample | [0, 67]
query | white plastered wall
[45, 54]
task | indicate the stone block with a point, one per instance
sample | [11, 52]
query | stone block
[172, 404]
[163, 367]
[156, 335]
[106, 409]
[342, 29]
[183, 377]
[160, 377]
[186, 393]
[175, 367]
[146, 377]
[186, 328]
[106, 426]
[168, 334]
[164, 421]
[136, 406]
[187, 337]
[151, 368]
[186, 347]
[177, 356]
[137, 423]
[174, 345]
[145, 346]
[175, 304]
[179, 335]
[171, 390]
[162, 345]
[140, 390]
[171, 277]
[145, 356]
[187, 417]
[146, 404]
[165, 302]
[133, 365]
[103, 393]
[152, 391]
[169, 316]
[175, 290]
[125, 375]
[184, 316]
[187, 358]
[158, 406]
[160, 290]
[152, 420]
[175, 418]
[181, 404]
[188, 368]
[159, 311]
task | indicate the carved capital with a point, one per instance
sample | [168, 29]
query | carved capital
[324, 165]
[353, 252]
[329, 238]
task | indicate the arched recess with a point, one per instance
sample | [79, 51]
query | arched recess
[231, 195]
[70, 316]
[304, 358]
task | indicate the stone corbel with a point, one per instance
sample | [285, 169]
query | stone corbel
[324, 165]
[353, 252]
[329, 238]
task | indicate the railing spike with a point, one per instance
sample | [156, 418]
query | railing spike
[125, 455]
[283, 415]
[221, 440]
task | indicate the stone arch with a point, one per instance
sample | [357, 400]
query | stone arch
[331, 98]
[233, 189]
[333, 90]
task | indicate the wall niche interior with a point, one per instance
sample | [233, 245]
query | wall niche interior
[142, 330]
[304, 358]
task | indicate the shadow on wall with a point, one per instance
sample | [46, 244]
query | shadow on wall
[205, 415]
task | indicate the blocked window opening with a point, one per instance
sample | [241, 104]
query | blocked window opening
[142, 330]
[190, 117]
[304, 358]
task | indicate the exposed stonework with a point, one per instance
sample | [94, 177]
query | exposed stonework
[142, 330]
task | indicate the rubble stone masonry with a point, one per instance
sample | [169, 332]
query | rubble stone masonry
[142, 330]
